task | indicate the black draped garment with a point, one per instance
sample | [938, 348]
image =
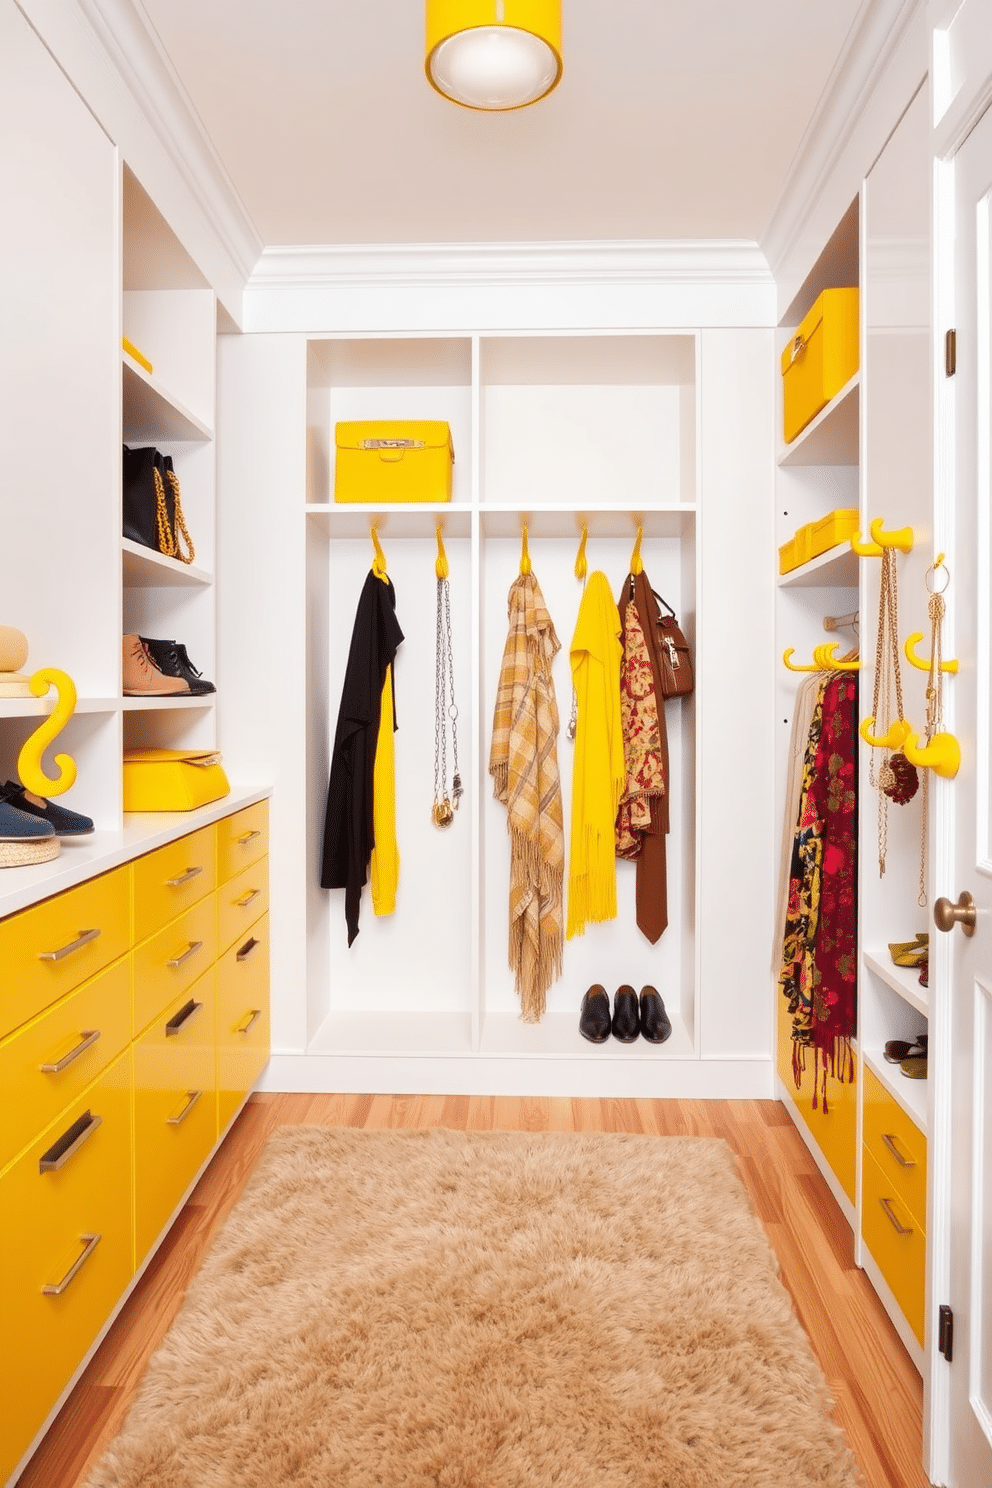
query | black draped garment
[348, 828]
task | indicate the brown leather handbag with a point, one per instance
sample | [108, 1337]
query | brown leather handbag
[676, 661]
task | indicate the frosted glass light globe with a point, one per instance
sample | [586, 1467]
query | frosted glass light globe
[494, 67]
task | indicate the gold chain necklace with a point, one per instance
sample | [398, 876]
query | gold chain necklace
[445, 712]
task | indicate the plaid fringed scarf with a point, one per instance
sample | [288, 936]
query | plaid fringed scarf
[523, 762]
[820, 952]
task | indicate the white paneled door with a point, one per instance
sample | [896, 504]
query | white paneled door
[970, 1370]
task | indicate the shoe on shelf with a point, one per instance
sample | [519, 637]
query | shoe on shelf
[142, 678]
[656, 1026]
[896, 1050]
[24, 839]
[910, 952]
[626, 1024]
[594, 1015]
[172, 659]
[914, 1069]
[64, 823]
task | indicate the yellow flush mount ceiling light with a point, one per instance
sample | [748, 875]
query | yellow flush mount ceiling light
[494, 54]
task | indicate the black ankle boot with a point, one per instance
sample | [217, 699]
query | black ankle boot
[171, 659]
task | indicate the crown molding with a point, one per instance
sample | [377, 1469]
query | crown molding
[478, 265]
[130, 44]
[876, 34]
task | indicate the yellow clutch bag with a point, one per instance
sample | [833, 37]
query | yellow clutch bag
[172, 779]
[400, 460]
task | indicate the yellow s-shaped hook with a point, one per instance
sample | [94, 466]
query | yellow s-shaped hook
[894, 739]
[942, 755]
[33, 777]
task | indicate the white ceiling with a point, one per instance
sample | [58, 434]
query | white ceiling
[675, 119]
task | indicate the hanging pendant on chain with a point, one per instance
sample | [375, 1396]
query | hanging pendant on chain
[445, 713]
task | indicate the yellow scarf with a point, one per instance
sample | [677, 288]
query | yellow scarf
[385, 864]
[599, 772]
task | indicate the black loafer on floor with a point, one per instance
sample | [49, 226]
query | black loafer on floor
[626, 1020]
[656, 1025]
[594, 1018]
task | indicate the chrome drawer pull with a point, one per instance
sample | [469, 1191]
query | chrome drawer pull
[249, 898]
[184, 878]
[89, 1038]
[69, 1142]
[194, 946]
[247, 949]
[253, 1017]
[900, 1229]
[192, 1096]
[890, 1142]
[248, 837]
[183, 1016]
[83, 938]
[90, 1243]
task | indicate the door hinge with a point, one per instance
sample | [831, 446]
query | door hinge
[945, 1332]
[950, 353]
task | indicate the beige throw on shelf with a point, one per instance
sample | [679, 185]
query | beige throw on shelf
[523, 762]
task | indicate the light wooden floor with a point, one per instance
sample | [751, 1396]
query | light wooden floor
[879, 1395]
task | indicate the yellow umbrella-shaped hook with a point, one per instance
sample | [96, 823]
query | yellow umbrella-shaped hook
[793, 666]
[942, 755]
[581, 562]
[895, 738]
[524, 552]
[441, 566]
[825, 656]
[636, 565]
[917, 661]
[379, 561]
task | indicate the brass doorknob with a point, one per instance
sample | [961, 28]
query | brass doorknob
[946, 915]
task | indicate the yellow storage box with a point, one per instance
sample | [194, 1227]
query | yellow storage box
[818, 537]
[172, 779]
[405, 460]
[820, 358]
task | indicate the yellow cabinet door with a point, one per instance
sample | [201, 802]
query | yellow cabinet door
[896, 1240]
[175, 1106]
[897, 1145]
[242, 838]
[240, 902]
[50, 1061]
[50, 948]
[172, 879]
[173, 959]
[65, 1252]
[242, 1019]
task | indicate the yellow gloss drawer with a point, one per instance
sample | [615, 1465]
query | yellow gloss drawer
[175, 1106]
[897, 1146]
[50, 948]
[896, 1240]
[241, 901]
[50, 1061]
[171, 879]
[65, 1252]
[242, 839]
[835, 1130]
[173, 959]
[243, 1037]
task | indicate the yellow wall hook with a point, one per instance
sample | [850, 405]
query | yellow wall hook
[942, 755]
[524, 552]
[894, 739]
[865, 549]
[29, 766]
[901, 539]
[825, 656]
[581, 562]
[379, 561]
[636, 565]
[786, 655]
[917, 661]
[441, 566]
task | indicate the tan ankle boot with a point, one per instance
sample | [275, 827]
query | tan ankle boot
[142, 677]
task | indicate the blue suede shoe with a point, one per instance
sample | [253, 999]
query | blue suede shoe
[59, 819]
[21, 826]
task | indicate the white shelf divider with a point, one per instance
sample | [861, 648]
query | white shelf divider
[910, 1095]
[151, 413]
[143, 568]
[904, 980]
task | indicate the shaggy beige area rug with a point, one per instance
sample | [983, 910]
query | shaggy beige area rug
[436, 1309]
